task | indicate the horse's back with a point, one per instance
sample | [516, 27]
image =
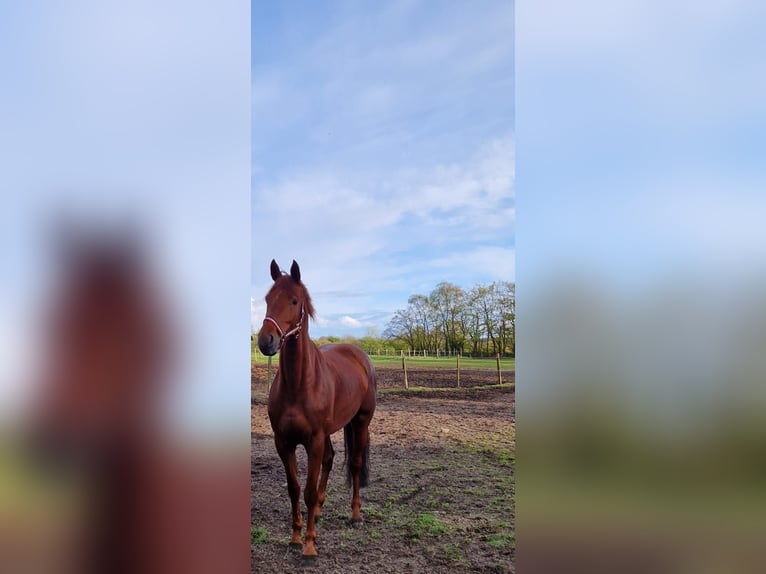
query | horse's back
[345, 352]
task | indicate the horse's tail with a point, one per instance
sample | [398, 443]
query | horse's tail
[349, 440]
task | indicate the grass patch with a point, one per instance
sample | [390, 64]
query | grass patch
[499, 446]
[426, 523]
[259, 536]
[417, 526]
[501, 539]
[452, 552]
[436, 503]
[488, 363]
[477, 492]
[372, 512]
[395, 361]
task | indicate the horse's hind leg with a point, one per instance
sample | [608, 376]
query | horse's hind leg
[358, 462]
[287, 454]
[329, 455]
[315, 455]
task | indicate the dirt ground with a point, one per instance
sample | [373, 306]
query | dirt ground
[440, 497]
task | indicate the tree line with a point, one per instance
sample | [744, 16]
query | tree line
[450, 320]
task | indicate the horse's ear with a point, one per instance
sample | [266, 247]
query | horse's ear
[295, 272]
[276, 272]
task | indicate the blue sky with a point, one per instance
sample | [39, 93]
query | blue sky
[641, 126]
[113, 113]
[641, 203]
[383, 152]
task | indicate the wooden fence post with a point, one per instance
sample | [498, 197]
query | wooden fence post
[404, 368]
[458, 369]
[499, 376]
[268, 382]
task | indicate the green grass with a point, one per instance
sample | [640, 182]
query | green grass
[453, 552]
[258, 535]
[417, 526]
[500, 446]
[259, 359]
[394, 361]
[506, 364]
[372, 511]
[427, 524]
[501, 539]
[436, 504]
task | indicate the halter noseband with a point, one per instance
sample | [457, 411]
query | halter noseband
[294, 331]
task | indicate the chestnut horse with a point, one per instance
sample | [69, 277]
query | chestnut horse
[99, 418]
[317, 391]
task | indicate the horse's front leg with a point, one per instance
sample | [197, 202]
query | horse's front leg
[287, 454]
[315, 454]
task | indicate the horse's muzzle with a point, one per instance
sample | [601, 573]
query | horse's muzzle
[268, 343]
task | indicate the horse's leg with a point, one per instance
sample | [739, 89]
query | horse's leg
[287, 454]
[329, 454]
[359, 426]
[315, 455]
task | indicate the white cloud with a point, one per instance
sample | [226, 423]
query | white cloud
[399, 154]
[348, 321]
[351, 232]
[349, 215]
[491, 261]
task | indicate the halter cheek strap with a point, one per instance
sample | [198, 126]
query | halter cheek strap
[294, 331]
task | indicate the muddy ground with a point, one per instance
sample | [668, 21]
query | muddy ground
[440, 497]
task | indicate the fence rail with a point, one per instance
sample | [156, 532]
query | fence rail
[432, 372]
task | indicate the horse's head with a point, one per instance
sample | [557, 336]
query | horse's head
[288, 306]
[107, 350]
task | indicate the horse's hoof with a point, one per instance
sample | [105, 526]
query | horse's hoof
[295, 546]
[309, 561]
[356, 522]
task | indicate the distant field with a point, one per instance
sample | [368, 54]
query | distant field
[444, 362]
[506, 364]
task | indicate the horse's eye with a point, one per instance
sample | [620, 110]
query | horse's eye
[295, 301]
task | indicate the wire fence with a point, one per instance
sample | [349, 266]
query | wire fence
[417, 371]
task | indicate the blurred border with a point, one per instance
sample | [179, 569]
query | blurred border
[132, 116]
[641, 265]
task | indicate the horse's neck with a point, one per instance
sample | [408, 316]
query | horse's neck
[297, 360]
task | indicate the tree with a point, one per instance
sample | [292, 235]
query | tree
[450, 319]
[426, 335]
[473, 328]
[506, 317]
[402, 327]
[448, 304]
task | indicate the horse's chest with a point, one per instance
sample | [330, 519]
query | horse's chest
[292, 422]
